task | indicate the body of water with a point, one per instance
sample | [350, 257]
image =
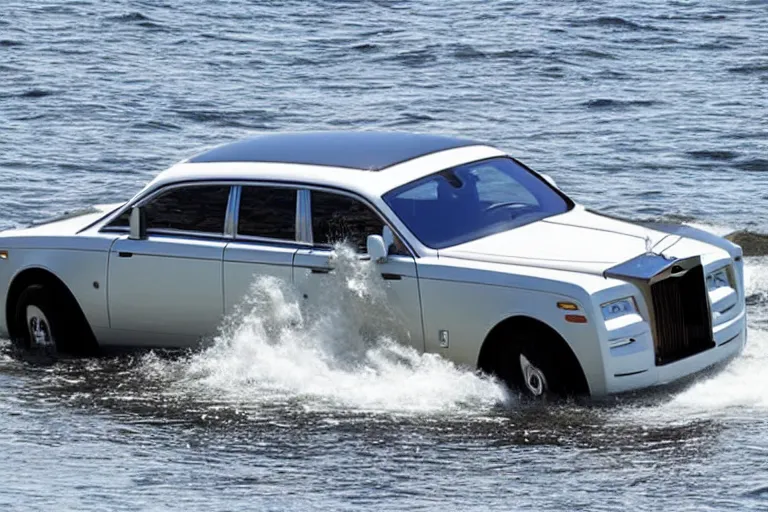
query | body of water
[651, 110]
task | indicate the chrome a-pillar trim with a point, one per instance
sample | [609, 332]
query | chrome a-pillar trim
[304, 216]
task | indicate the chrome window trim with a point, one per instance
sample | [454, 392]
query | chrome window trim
[233, 212]
[363, 200]
[145, 199]
[174, 233]
[304, 212]
[270, 241]
[252, 238]
[180, 233]
[304, 216]
[141, 201]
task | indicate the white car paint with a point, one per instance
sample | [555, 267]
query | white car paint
[176, 291]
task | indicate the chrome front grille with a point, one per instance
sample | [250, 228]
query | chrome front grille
[682, 318]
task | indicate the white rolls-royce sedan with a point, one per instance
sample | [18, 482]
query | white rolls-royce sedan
[487, 262]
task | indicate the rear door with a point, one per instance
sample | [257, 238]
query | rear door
[166, 290]
[337, 217]
[265, 241]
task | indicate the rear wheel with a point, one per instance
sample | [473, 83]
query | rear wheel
[48, 322]
[39, 328]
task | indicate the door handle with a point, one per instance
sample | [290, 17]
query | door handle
[125, 254]
[391, 277]
[319, 270]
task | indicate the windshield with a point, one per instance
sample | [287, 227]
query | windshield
[472, 201]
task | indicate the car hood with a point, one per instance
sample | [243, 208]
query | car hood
[64, 225]
[580, 241]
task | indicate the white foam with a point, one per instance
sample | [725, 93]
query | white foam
[272, 350]
[711, 228]
[756, 275]
[740, 389]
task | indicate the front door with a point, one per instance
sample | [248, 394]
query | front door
[388, 292]
[166, 290]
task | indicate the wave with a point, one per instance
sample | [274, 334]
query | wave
[742, 385]
[130, 17]
[753, 165]
[608, 103]
[750, 69]
[344, 353]
[612, 22]
[36, 93]
[138, 19]
[415, 58]
[713, 154]
[753, 244]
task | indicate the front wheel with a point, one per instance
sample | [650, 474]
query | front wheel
[532, 360]
[533, 371]
[533, 377]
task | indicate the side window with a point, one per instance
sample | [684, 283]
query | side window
[268, 212]
[336, 218]
[123, 221]
[194, 208]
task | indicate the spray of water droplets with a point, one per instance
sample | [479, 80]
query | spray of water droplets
[344, 351]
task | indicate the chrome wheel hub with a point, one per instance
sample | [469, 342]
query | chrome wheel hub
[39, 327]
[533, 377]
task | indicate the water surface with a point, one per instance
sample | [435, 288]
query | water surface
[653, 110]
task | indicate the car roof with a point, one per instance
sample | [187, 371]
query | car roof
[362, 150]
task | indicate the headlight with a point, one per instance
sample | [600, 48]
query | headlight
[718, 279]
[619, 308]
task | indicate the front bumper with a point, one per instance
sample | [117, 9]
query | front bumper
[633, 367]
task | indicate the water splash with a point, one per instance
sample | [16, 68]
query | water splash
[743, 384]
[342, 352]
[738, 391]
[739, 388]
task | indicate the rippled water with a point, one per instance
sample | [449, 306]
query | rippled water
[647, 110]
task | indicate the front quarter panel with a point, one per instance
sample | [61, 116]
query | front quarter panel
[469, 303]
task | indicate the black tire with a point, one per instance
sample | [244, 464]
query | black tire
[530, 350]
[60, 319]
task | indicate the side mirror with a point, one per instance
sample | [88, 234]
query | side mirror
[377, 248]
[549, 179]
[138, 224]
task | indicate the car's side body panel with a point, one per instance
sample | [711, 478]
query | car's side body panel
[166, 286]
[395, 308]
[245, 262]
[469, 300]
